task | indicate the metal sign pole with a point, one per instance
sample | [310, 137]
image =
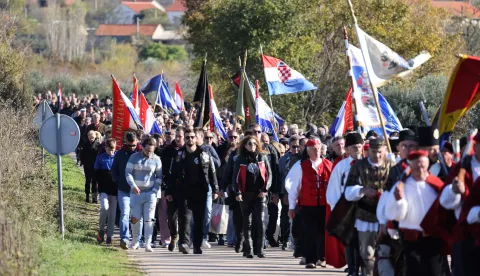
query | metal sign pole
[59, 171]
[43, 120]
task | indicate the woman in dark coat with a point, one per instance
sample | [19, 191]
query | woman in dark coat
[252, 178]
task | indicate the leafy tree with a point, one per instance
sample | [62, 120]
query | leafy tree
[308, 36]
[163, 52]
[13, 61]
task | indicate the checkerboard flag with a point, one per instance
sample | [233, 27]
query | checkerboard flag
[281, 79]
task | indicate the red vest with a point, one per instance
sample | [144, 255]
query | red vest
[242, 175]
[314, 184]
[437, 219]
[472, 200]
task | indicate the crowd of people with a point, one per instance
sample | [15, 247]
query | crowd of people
[398, 213]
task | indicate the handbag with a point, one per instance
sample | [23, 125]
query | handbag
[220, 215]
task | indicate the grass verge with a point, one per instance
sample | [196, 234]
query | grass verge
[79, 254]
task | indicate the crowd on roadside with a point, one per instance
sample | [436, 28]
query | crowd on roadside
[337, 197]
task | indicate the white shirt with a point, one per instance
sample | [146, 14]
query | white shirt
[352, 193]
[410, 210]
[335, 186]
[293, 181]
[452, 201]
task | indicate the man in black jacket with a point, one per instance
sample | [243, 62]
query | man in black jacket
[88, 156]
[175, 208]
[193, 172]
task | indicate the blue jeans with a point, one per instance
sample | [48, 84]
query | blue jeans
[124, 204]
[208, 214]
[143, 206]
[231, 237]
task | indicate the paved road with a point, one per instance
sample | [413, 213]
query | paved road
[221, 260]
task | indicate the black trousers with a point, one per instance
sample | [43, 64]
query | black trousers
[177, 211]
[89, 181]
[272, 220]
[237, 220]
[284, 224]
[297, 233]
[197, 213]
[465, 257]
[314, 233]
[253, 210]
[423, 257]
[352, 254]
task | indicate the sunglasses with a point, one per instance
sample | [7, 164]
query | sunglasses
[252, 144]
[131, 146]
[258, 131]
[208, 137]
[190, 137]
[295, 147]
[233, 137]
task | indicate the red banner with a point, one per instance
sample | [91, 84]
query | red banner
[121, 115]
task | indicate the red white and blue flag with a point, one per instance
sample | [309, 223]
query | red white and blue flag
[60, 98]
[344, 119]
[215, 119]
[179, 97]
[281, 79]
[264, 115]
[148, 117]
[124, 115]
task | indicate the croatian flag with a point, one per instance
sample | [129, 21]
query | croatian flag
[215, 119]
[281, 79]
[60, 98]
[344, 119]
[124, 115]
[179, 97]
[264, 115]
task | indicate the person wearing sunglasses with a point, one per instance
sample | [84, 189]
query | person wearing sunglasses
[252, 179]
[118, 175]
[194, 175]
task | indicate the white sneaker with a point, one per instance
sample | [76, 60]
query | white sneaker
[142, 244]
[134, 246]
[153, 245]
[303, 261]
[164, 245]
[148, 248]
[206, 244]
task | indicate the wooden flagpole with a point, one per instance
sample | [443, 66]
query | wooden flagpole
[347, 47]
[374, 88]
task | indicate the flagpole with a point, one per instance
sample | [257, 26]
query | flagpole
[349, 60]
[269, 96]
[374, 88]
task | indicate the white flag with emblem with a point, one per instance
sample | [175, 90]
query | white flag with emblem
[383, 63]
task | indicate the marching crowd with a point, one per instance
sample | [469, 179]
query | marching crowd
[399, 213]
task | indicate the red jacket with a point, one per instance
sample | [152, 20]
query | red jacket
[463, 229]
[314, 185]
[240, 173]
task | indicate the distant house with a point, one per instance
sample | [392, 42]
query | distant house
[175, 12]
[126, 12]
[126, 33]
[458, 8]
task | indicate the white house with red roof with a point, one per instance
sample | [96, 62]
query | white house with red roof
[175, 12]
[127, 11]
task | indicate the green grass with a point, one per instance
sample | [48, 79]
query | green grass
[79, 254]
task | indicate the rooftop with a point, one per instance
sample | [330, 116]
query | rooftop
[177, 6]
[457, 8]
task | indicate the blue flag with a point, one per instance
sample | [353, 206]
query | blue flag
[164, 98]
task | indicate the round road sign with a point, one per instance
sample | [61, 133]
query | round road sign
[68, 133]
